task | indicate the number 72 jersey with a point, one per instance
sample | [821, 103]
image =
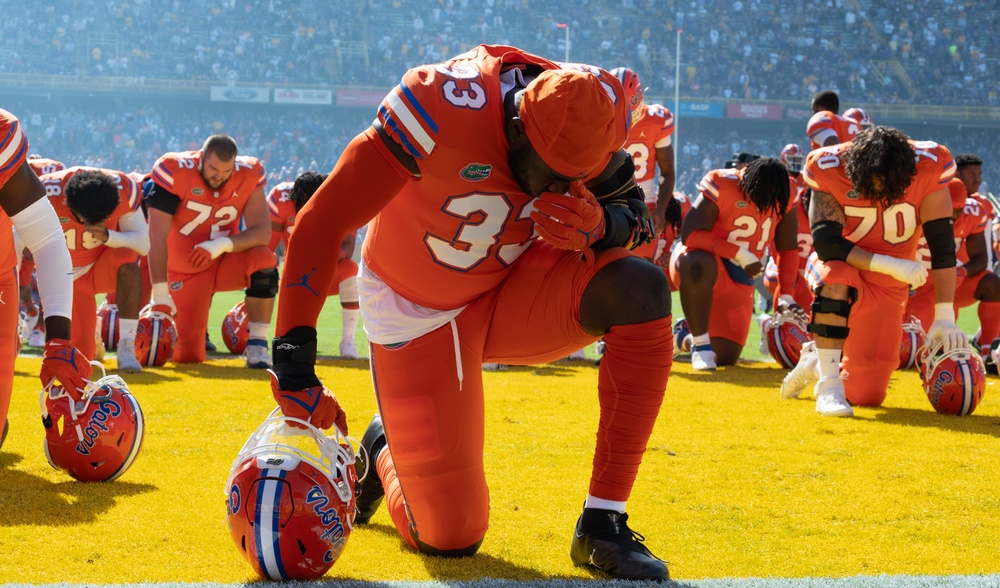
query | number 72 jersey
[203, 213]
[894, 230]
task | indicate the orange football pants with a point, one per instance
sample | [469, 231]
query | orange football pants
[346, 268]
[732, 303]
[871, 351]
[8, 338]
[192, 293]
[102, 277]
[434, 417]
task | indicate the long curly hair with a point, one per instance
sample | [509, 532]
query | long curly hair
[304, 187]
[881, 164]
[765, 183]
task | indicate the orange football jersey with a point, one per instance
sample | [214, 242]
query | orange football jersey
[891, 231]
[825, 122]
[203, 213]
[466, 208]
[42, 166]
[652, 130]
[282, 209]
[83, 248]
[13, 151]
[739, 221]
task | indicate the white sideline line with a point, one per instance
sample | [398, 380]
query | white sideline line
[903, 581]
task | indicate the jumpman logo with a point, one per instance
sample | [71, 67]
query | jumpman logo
[304, 282]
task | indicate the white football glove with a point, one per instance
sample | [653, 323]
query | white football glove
[744, 258]
[944, 329]
[906, 271]
[787, 305]
[217, 247]
[161, 297]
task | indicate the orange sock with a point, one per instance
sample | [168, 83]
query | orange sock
[631, 384]
[989, 320]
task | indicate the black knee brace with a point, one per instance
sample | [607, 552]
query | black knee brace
[824, 305]
[263, 284]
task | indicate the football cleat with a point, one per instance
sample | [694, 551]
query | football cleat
[257, 356]
[236, 329]
[954, 381]
[703, 358]
[830, 398]
[682, 337]
[98, 438]
[603, 540]
[785, 336]
[763, 320]
[804, 373]
[209, 346]
[494, 367]
[371, 493]
[37, 338]
[107, 316]
[911, 342]
[290, 498]
[3, 436]
[155, 337]
[27, 323]
[125, 355]
[990, 357]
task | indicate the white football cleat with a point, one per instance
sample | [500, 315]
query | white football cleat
[494, 367]
[257, 357]
[830, 398]
[37, 338]
[804, 373]
[703, 360]
[348, 349]
[763, 320]
[127, 361]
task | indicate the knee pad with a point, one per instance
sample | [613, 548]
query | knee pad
[263, 284]
[824, 305]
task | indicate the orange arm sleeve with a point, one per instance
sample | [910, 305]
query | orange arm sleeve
[709, 241]
[366, 178]
[275, 239]
[788, 272]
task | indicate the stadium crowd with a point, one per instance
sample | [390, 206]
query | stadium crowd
[897, 51]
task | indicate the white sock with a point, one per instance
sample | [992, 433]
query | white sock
[594, 502]
[127, 327]
[350, 323]
[829, 362]
[258, 331]
[702, 339]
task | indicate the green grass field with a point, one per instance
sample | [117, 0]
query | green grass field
[736, 484]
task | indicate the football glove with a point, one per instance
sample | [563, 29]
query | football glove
[161, 297]
[944, 329]
[906, 271]
[63, 362]
[787, 305]
[573, 222]
[295, 386]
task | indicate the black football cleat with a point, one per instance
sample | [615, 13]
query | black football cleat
[370, 490]
[603, 540]
[3, 437]
[209, 346]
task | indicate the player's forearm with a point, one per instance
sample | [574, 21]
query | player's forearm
[252, 237]
[944, 285]
[138, 241]
[158, 263]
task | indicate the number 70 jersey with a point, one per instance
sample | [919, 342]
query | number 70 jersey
[891, 231]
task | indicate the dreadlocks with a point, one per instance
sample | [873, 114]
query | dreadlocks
[881, 164]
[765, 183]
[304, 187]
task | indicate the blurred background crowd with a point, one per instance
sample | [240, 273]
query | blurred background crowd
[871, 52]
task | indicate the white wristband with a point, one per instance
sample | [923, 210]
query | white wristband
[787, 299]
[161, 291]
[944, 311]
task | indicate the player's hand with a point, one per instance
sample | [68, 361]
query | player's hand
[314, 404]
[672, 214]
[749, 262]
[787, 305]
[161, 297]
[63, 362]
[573, 222]
[206, 251]
[948, 334]
[906, 271]
[295, 386]
[199, 257]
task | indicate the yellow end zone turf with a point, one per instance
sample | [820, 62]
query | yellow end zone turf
[736, 482]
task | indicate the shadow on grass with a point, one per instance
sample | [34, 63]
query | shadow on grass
[30, 500]
[913, 417]
[479, 566]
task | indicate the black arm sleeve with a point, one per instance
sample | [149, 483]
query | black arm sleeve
[829, 241]
[626, 219]
[940, 235]
[160, 199]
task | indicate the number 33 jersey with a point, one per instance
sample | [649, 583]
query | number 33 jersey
[891, 231]
[452, 233]
[203, 213]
